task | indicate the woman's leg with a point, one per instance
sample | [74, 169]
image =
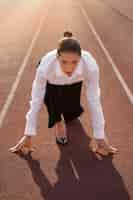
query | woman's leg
[60, 128]
[60, 132]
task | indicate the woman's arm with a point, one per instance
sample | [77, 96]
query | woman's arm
[37, 95]
[94, 101]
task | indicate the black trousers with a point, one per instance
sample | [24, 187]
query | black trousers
[63, 100]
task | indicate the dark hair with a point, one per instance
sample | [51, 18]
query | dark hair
[69, 43]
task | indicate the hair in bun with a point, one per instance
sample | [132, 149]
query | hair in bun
[68, 43]
[68, 34]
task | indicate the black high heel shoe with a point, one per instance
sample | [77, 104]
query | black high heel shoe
[61, 140]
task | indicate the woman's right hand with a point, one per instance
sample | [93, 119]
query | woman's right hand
[24, 142]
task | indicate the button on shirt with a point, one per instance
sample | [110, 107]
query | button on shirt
[50, 69]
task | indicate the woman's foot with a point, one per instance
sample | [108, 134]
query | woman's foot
[24, 142]
[102, 147]
[60, 132]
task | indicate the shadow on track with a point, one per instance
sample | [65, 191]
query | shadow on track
[80, 174]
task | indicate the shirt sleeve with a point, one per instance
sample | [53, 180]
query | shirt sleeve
[94, 101]
[37, 95]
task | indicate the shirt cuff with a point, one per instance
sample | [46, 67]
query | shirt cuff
[30, 130]
[99, 133]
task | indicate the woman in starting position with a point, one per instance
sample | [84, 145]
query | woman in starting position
[57, 84]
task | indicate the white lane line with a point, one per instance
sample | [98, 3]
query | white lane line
[107, 54]
[74, 170]
[20, 72]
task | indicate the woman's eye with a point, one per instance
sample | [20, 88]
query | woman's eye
[64, 62]
[74, 62]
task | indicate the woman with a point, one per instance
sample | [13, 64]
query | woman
[57, 84]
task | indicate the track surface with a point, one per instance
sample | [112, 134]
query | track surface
[28, 31]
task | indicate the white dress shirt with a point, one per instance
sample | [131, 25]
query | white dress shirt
[50, 69]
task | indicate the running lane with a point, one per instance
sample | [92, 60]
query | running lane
[114, 24]
[19, 21]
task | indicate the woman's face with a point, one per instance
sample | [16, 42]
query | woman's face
[68, 62]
